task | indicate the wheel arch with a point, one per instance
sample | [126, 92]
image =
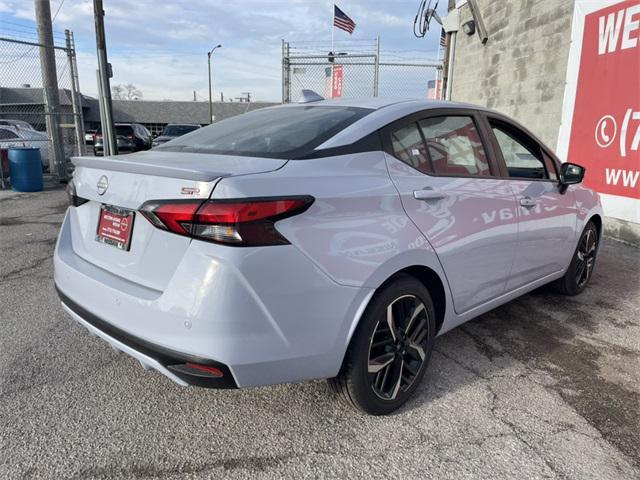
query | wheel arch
[597, 220]
[432, 282]
[432, 279]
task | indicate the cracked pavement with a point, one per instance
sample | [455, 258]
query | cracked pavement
[543, 387]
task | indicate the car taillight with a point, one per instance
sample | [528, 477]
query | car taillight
[242, 222]
[97, 136]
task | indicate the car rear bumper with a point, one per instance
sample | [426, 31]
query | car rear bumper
[150, 356]
[264, 315]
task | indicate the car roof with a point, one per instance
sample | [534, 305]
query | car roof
[377, 103]
[384, 112]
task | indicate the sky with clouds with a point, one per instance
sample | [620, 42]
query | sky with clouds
[161, 46]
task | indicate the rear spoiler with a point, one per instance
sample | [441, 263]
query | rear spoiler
[189, 166]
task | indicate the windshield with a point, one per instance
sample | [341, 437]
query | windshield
[178, 130]
[280, 132]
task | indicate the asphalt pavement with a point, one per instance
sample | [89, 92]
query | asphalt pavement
[544, 387]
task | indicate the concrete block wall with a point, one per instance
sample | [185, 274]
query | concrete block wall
[521, 69]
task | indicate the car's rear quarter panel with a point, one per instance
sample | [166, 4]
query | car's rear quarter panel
[356, 223]
[356, 231]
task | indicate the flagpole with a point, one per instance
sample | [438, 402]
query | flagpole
[333, 14]
[437, 93]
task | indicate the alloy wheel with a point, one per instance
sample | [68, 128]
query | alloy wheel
[397, 347]
[586, 257]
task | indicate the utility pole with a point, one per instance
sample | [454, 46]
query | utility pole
[209, 66]
[75, 92]
[104, 73]
[449, 52]
[57, 163]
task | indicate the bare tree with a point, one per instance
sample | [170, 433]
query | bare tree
[126, 92]
[117, 92]
[132, 92]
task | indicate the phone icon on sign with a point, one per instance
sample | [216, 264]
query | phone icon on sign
[606, 129]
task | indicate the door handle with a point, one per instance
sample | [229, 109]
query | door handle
[527, 202]
[428, 194]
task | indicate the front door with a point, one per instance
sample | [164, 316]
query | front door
[450, 191]
[546, 214]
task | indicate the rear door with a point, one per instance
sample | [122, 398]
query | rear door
[546, 213]
[451, 190]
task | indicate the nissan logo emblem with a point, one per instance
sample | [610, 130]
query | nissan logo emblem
[103, 184]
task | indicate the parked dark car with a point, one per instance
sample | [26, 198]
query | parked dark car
[174, 130]
[131, 137]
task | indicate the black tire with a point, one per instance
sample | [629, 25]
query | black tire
[367, 379]
[580, 270]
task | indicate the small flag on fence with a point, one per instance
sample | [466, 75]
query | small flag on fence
[342, 20]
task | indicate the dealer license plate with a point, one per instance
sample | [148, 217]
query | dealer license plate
[115, 226]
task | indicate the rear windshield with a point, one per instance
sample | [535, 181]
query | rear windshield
[178, 130]
[280, 132]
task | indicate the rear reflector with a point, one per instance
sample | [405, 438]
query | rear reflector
[246, 222]
[197, 369]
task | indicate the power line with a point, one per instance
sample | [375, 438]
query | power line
[27, 27]
[33, 47]
[53, 19]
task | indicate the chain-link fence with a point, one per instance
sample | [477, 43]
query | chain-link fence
[360, 72]
[29, 113]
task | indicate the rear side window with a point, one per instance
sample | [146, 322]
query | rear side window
[7, 134]
[124, 130]
[522, 156]
[454, 146]
[408, 146]
[280, 132]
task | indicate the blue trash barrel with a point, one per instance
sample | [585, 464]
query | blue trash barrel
[26, 169]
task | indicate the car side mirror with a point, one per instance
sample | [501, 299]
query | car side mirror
[571, 174]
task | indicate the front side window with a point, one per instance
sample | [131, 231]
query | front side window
[522, 157]
[408, 146]
[454, 146]
[280, 132]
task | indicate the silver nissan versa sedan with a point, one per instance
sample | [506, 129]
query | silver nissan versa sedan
[325, 239]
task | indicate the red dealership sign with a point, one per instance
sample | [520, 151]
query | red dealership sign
[333, 81]
[605, 129]
[336, 88]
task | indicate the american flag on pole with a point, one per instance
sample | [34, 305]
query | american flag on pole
[342, 20]
[443, 38]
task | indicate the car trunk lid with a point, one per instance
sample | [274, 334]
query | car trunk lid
[122, 184]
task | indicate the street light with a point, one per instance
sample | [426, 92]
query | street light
[209, 65]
